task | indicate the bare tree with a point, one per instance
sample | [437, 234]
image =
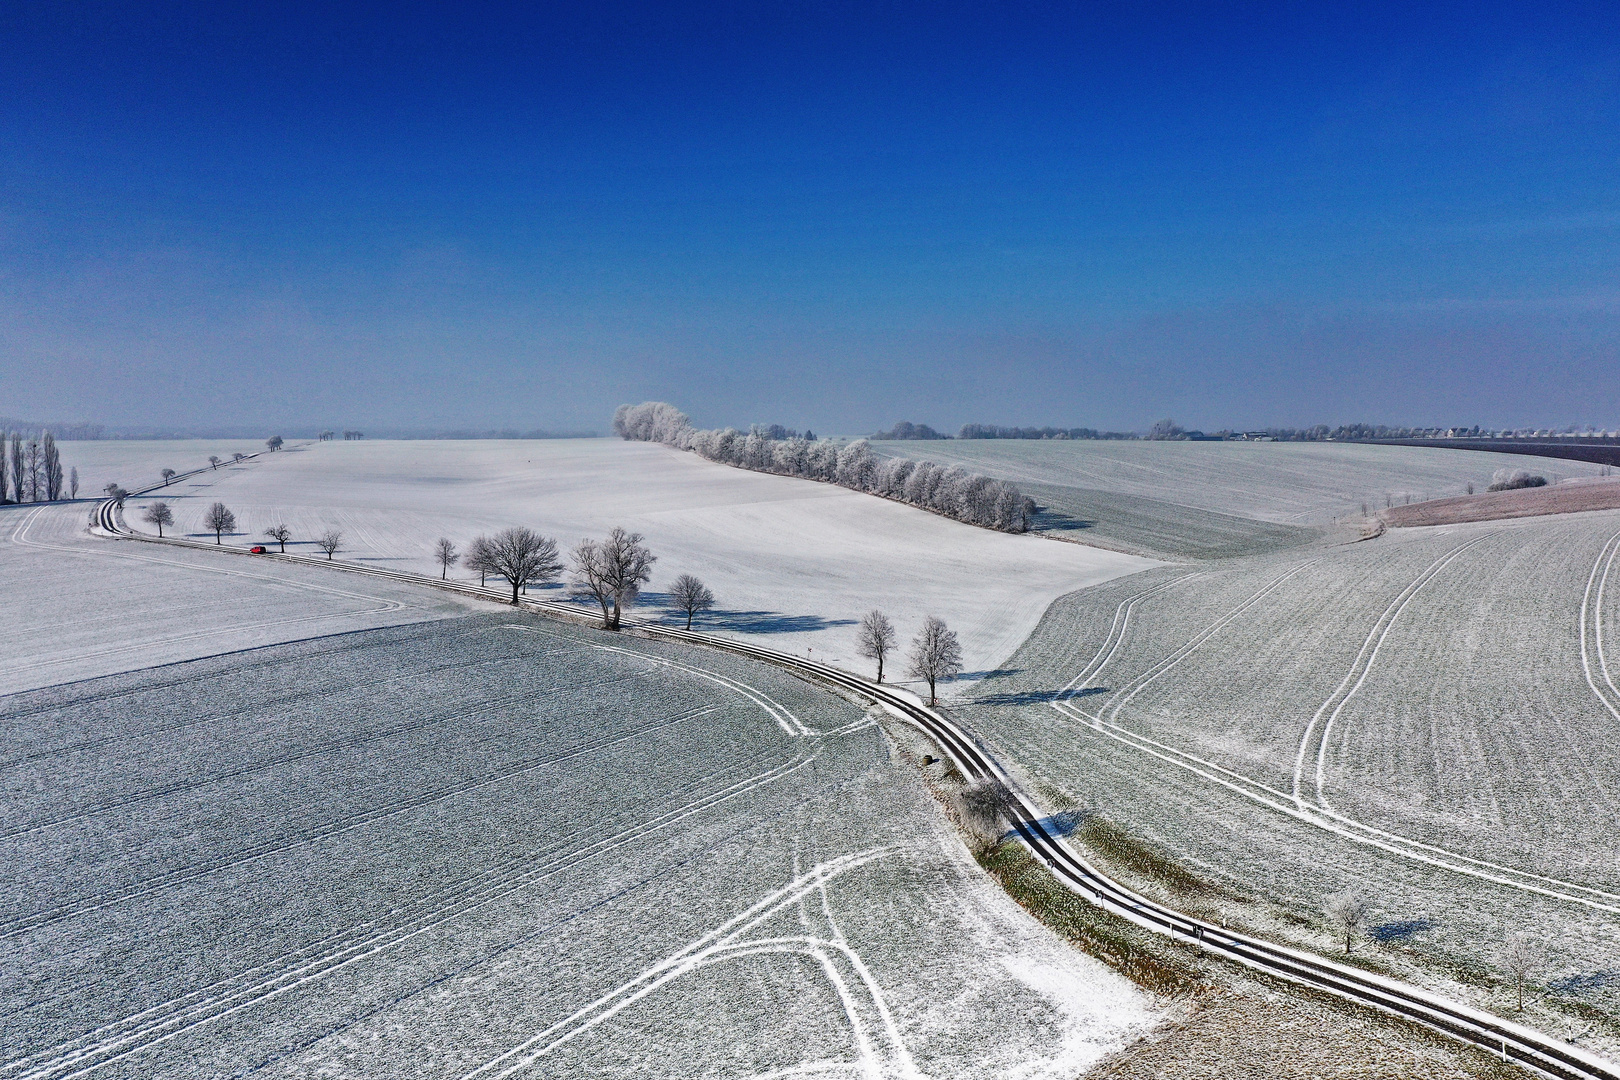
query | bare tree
[985, 810]
[330, 541]
[690, 595]
[167, 474]
[522, 556]
[875, 639]
[73, 482]
[51, 470]
[34, 468]
[1347, 911]
[160, 515]
[1523, 958]
[445, 552]
[219, 520]
[280, 534]
[612, 572]
[19, 482]
[477, 558]
[935, 655]
[213, 461]
[273, 443]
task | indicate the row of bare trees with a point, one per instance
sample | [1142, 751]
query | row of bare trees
[935, 654]
[952, 490]
[32, 470]
[610, 571]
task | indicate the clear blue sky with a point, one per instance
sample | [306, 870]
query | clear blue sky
[823, 214]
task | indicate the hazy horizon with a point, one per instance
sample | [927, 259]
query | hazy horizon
[822, 216]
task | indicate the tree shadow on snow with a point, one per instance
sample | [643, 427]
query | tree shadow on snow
[746, 622]
[1584, 982]
[763, 622]
[1399, 931]
[1049, 520]
[1038, 697]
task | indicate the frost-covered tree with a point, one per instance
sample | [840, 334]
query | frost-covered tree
[331, 542]
[691, 596]
[985, 809]
[444, 552]
[523, 557]
[1523, 959]
[160, 515]
[651, 421]
[273, 443]
[1347, 912]
[73, 482]
[856, 466]
[167, 474]
[219, 521]
[477, 559]
[875, 639]
[280, 534]
[213, 461]
[935, 655]
[611, 572]
[238, 456]
[892, 476]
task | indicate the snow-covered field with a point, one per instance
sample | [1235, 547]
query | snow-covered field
[78, 606]
[497, 846]
[135, 464]
[1286, 482]
[1220, 499]
[1430, 715]
[793, 561]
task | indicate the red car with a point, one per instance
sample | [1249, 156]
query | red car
[256, 549]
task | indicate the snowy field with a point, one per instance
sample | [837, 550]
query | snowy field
[79, 606]
[135, 464]
[791, 561]
[496, 846]
[1430, 715]
[1220, 499]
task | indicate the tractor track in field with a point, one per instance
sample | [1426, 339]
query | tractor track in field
[1105, 721]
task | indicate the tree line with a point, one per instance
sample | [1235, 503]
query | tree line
[951, 491]
[31, 469]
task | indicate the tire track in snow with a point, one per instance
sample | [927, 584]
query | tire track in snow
[264, 982]
[726, 942]
[1591, 619]
[1285, 803]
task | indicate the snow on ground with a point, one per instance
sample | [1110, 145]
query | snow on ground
[1455, 686]
[1295, 483]
[79, 606]
[792, 561]
[135, 464]
[501, 846]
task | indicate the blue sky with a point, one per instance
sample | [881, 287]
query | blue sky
[822, 214]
